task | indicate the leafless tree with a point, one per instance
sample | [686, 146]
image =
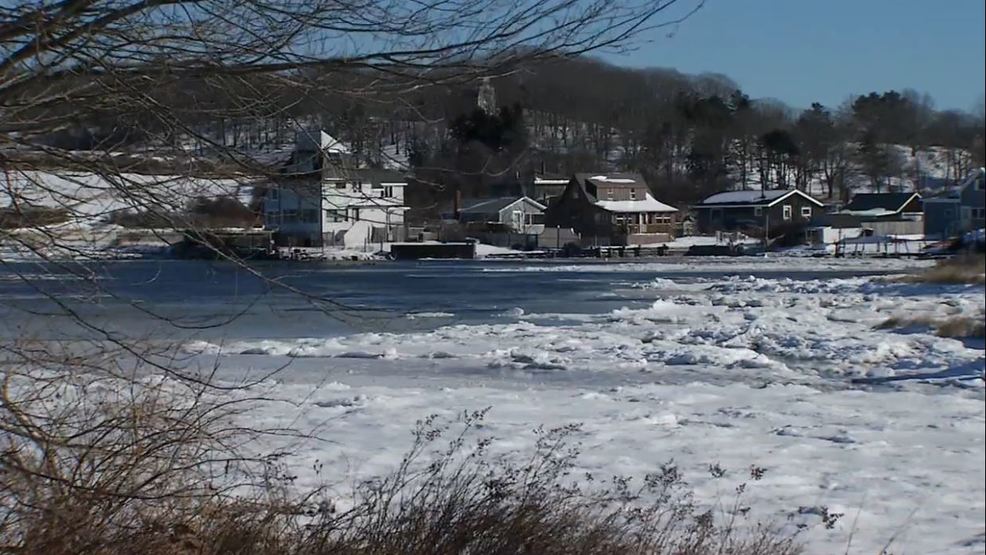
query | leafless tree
[111, 435]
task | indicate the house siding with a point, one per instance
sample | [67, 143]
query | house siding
[292, 211]
[941, 218]
[597, 226]
[973, 201]
[574, 210]
[524, 210]
[914, 206]
[710, 219]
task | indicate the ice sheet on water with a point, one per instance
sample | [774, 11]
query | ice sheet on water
[771, 263]
[809, 330]
[740, 371]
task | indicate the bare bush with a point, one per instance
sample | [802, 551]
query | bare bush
[140, 475]
[94, 462]
[107, 446]
[464, 500]
[958, 327]
[968, 269]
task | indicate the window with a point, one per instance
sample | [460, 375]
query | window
[340, 185]
[609, 194]
[335, 216]
[978, 213]
[358, 186]
[633, 194]
[354, 214]
[806, 212]
[758, 211]
[274, 194]
[388, 192]
[786, 212]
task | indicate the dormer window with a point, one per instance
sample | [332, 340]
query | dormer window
[633, 194]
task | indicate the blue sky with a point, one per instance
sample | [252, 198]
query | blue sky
[801, 51]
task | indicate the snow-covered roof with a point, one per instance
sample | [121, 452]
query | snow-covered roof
[949, 197]
[872, 212]
[330, 145]
[647, 204]
[891, 202]
[973, 175]
[607, 179]
[619, 179]
[550, 180]
[745, 197]
[754, 198]
[373, 176]
[495, 205]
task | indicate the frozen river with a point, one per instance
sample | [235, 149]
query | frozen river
[778, 363]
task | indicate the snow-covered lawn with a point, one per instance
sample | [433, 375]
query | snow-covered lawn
[793, 376]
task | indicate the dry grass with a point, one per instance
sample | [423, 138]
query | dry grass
[962, 327]
[967, 269]
[143, 480]
[959, 327]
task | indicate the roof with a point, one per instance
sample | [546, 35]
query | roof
[619, 179]
[888, 202]
[367, 175]
[330, 145]
[951, 197]
[972, 177]
[550, 179]
[753, 198]
[647, 204]
[313, 140]
[493, 205]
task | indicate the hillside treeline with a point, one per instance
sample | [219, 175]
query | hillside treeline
[689, 135]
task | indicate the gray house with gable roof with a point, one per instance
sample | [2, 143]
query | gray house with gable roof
[777, 210]
[957, 211]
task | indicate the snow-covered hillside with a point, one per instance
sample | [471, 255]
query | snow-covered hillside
[90, 198]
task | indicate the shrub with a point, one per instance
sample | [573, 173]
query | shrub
[954, 326]
[967, 269]
[31, 217]
[118, 465]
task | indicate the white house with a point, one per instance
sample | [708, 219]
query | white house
[318, 201]
[362, 206]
